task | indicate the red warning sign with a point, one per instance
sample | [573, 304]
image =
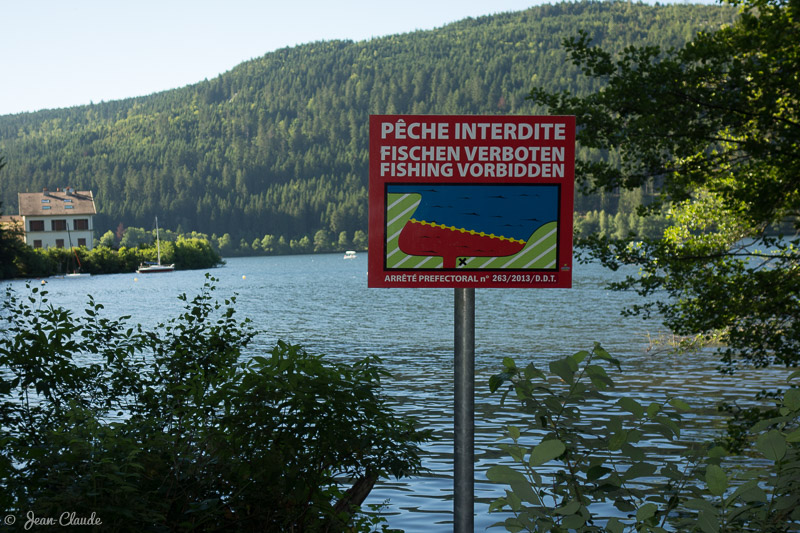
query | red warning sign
[471, 201]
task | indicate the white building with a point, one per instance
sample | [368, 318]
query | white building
[62, 219]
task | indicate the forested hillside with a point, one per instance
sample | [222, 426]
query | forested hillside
[278, 145]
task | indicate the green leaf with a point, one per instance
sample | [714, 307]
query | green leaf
[634, 436]
[496, 381]
[794, 436]
[615, 526]
[617, 440]
[573, 521]
[708, 521]
[497, 505]
[546, 451]
[513, 432]
[580, 356]
[716, 479]
[636, 454]
[646, 511]
[717, 452]
[569, 508]
[602, 382]
[596, 370]
[514, 502]
[605, 356]
[699, 504]
[772, 444]
[640, 470]
[679, 404]
[749, 492]
[533, 372]
[653, 409]
[631, 405]
[792, 399]
[563, 369]
[624, 505]
[596, 472]
[763, 424]
[504, 474]
[522, 489]
[665, 426]
[516, 452]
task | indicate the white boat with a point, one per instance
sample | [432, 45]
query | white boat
[76, 272]
[72, 275]
[350, 254]
[148, 267]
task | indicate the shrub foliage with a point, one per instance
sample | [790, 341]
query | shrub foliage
[173, 429]
[572, 474]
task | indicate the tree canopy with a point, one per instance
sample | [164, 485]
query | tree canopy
[10, 244]
[714, 127]
[278, 146]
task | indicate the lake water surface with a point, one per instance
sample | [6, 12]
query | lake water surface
[323, 303]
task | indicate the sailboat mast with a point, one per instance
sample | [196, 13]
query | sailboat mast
[72, 248]
[158, 243]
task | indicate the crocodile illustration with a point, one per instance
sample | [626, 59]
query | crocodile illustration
[468, 221]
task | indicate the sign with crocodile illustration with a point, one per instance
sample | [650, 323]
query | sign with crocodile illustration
[471, 201]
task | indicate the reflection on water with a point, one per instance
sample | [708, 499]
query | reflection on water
[323, 303]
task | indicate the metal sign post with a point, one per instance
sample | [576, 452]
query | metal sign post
[464, 412]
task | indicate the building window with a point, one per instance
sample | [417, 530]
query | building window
[37, 243]
[81, 242]
[81, 223]
[45, 201]
[45, 207]
[37, 225]
[58, 225]
[59, 243]
[69, 206]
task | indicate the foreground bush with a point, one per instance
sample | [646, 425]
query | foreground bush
[173, 430]
[572, 474]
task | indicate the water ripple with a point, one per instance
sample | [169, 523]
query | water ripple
[322, 302]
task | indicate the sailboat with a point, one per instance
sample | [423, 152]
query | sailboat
[148, 267]
[76, 272]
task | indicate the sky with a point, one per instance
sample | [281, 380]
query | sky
[63, 53]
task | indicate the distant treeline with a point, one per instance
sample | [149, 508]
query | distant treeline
[225, 246]
[184, 253]
[278, 146]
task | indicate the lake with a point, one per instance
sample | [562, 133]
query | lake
[323, 303]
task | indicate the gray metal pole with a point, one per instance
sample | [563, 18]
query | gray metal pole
[464, 412]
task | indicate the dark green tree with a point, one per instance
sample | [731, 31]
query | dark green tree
[714, 127]
[10, 244]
